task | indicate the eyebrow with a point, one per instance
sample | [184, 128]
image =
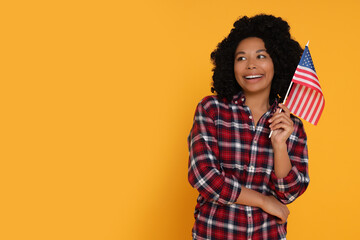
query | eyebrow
[241, 52]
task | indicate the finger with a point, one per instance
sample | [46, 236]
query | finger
[277, 115]
[284, 108]
[280, 115]
[286, 121]
[281, 220]
[285, 132]
[284, 216]
[281, 118]
[281, 122]
[282, 125]
[278, 110]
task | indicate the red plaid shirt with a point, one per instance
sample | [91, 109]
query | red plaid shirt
[227, 151]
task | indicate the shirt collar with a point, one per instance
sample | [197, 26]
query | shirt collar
[274, 106]
[239, 99]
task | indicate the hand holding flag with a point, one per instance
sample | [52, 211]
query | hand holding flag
[306, 99]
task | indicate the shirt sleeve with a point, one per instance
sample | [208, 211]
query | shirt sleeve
[205, 173]
[287, 189]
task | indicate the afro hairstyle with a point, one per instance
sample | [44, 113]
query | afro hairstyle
[284, 51]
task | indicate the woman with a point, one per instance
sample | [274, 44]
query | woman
[244, 178]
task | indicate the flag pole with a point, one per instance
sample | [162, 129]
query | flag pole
[287, 93]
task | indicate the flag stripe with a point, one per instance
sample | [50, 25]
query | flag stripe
[299, 101]
[306, 82]
[307, 69]
[298, 98]
[305, 75]
[310, 100]
[293, 92]
[300, 75]
[304, 101]
[309, 117]
[318, 110]
[312, 103]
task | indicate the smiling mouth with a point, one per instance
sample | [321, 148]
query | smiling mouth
[253, 76]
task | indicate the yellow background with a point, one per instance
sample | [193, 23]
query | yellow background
[97, 100]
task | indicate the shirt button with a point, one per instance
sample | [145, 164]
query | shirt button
[249, 215]
[242, 99]
[235, 102]
[255, 141]
[250, 117]
[251, 168]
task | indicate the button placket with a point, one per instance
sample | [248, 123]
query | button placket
[252, 124]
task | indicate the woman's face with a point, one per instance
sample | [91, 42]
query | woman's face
[253, 66]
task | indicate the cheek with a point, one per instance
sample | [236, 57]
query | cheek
[269, 68]
[271, 71]
[237, 70]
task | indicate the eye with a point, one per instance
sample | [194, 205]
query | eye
[241, 59]
[261, 56]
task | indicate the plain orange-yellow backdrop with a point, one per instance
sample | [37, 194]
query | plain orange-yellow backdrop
[97, 100]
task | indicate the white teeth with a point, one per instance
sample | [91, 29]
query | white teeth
[253, 76]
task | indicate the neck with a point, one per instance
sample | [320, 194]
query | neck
[257, 102]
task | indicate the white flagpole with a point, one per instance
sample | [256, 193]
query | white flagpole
[287, 93]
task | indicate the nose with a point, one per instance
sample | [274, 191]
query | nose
[251, 65]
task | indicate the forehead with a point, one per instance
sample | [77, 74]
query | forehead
[250, 44]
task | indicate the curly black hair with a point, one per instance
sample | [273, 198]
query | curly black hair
[284, 51]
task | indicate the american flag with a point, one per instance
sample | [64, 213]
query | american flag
[306, 99]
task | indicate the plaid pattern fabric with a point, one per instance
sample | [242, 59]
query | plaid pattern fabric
[227, 152]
